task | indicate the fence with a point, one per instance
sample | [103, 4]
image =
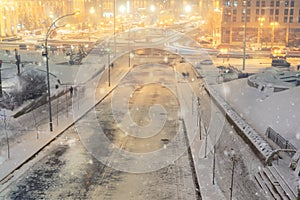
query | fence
[278, 139]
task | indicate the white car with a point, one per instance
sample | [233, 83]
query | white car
[206, 62]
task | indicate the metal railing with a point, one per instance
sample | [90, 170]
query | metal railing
[278, 139]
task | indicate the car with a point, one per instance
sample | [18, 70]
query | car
[23, 46]
[206, 62]
[280, 63]
[277, 52]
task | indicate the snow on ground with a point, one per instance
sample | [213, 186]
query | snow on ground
[279, 110]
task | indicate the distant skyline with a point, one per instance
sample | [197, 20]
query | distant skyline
[268, 21]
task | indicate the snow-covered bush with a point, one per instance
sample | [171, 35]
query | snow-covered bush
[31, 85]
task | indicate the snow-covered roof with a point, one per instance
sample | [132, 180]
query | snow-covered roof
[275, 78]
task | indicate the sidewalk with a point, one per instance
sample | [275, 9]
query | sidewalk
[204, 164]
[262, 147]
[30, 145]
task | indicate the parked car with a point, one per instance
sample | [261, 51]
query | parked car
[206, 62]
[280, 63]
[23, 46]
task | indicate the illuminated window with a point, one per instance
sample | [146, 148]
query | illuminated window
[235, 3]
[286, 3]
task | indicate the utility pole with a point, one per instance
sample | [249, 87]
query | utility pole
[231, 28]
[1, 95]
[108, 63]
[7, 139]
[115, 48]
[245, 29]
[200, 132]
[18, 61]
[214, 165]
[233, 159]
[129, 47]
[50, 30]
[206, 135]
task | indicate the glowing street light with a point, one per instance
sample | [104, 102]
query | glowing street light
[51, 28]
[188, 8]
[92, 10]
[261, 21]
[152, 8]
[273, 24]
[122, 9]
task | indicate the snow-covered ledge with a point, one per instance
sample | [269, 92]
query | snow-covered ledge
[258, 143]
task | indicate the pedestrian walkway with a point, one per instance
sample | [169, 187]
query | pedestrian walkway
[19, 153]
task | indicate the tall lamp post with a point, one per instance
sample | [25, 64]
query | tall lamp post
[115, 48]
[273, 24]
[1, 95]
[233, 158]
[45, 53]
[245, 29]
[261, 21]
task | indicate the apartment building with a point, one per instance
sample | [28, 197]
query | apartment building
[267, 22]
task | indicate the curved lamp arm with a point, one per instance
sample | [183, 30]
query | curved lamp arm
[49, 31]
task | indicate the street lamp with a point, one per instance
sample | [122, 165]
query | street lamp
[129, 47]
[245, 2]
[234, 160]
[261, 21]
[115, 48]
[92, 10]
[188, 8]
[152, 8]
[122, 9]
[273, 24]
[45, 53]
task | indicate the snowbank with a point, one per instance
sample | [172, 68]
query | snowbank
[263, 109]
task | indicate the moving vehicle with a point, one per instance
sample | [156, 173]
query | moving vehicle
[280, 63]
[277, 52]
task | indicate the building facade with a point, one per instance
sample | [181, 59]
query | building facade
[267, 22]
[21, 15]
